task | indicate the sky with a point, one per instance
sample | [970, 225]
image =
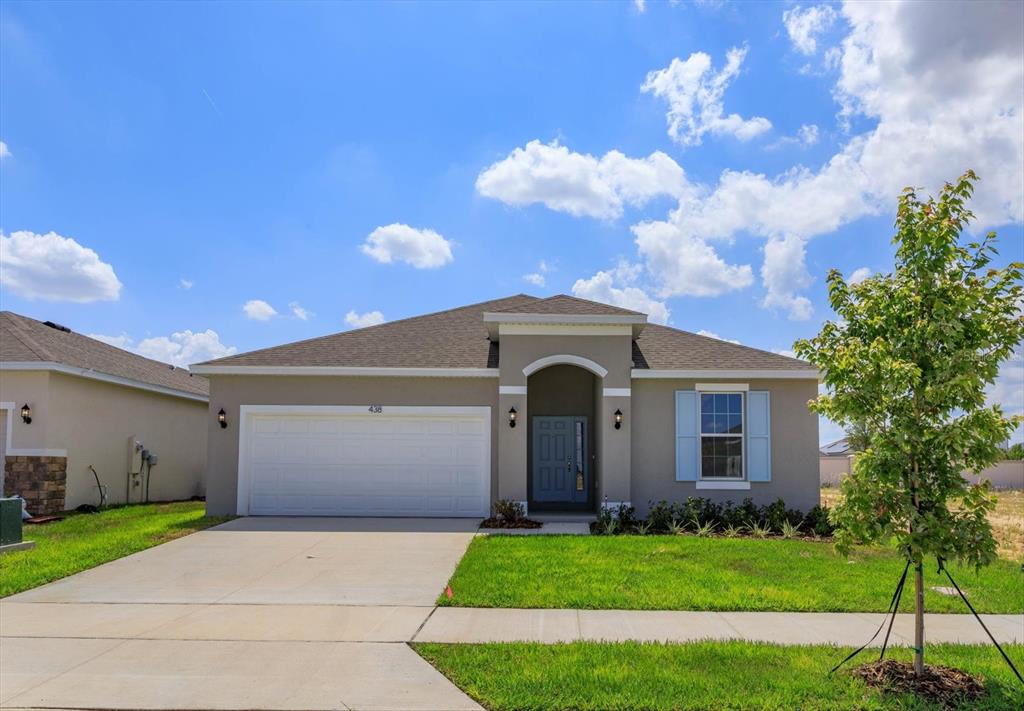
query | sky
[192, 180]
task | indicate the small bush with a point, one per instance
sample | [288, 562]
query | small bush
[627, 516]
[643, 528]
[676, 528]
[661, 516]
[510, 511]
[731, 531]
[789, 530]
[817, 521]
[759, 531]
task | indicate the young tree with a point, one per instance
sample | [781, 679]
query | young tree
[906, 364]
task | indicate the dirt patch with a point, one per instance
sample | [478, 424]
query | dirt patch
[495, 522]
[942, 685]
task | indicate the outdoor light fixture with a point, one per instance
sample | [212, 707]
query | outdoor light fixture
[222, 418]
[511, 417]
[26, 414]
[618, 419]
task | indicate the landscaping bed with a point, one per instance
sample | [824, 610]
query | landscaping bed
[688, 572]
[699, 675]
[82, 540]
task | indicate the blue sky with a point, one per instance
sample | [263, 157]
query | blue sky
[705, 162]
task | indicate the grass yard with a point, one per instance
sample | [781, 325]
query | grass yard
[1007, 520]
[700, 675]
[692, 573]
[83, 541]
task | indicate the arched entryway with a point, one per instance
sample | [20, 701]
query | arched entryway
[561, 446]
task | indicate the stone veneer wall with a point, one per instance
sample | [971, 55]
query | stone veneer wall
[41, 481]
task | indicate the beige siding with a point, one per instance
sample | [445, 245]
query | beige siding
[794, 445]
[231, 391]
[33, 388]
[93, 420]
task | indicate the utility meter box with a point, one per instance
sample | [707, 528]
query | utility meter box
[134, 455]
[10, 521]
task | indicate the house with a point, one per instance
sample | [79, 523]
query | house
[559, 403]
[71, 405]
[835, 460]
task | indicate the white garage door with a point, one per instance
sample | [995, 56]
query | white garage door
[364, 461]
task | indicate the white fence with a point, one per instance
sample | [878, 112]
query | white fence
[1004, 475]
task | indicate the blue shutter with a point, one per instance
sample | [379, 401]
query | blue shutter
[759, 436]
[687, 436]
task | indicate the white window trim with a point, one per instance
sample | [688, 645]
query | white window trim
[722, 387]
[743, 441]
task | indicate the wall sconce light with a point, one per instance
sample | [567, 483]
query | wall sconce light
[511, 417]
[618, 419]
[222, 418]
[26, 414]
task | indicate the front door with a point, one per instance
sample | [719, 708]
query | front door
[560, 468]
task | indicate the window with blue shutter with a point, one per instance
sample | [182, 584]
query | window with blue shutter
[759, 436]
[687, 436]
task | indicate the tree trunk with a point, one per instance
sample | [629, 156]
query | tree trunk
[919, 619]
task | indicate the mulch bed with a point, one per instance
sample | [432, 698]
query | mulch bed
[495, 522]
[943, 685]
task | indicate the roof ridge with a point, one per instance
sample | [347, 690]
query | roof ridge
[19, 331]
[376, 326]
[579, 300]
[727, 343]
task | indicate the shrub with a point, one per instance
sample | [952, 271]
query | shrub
[759, 531]
[627, 516]
[747, 513]
[661, 516]
[511, 511]
[776, 515]
[789, 530]
[817, 521]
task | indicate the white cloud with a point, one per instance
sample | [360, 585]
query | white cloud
[422, 248]
[789, 353]
[185, 284]
[259, 310]
[712, 334]
[640, 5]
[694, 93]
[299, 312]
[804, 26]
[784, 273]
[179, 349]
[602, 287]
[4, 150]
[536, 278]
[859, 275]
[55, 268]
[579, 183]
[370, 318]
[807, 135]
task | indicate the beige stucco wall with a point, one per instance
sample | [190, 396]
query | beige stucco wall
[794, 445]
[231, 391]
[92, 421]
[31, 387]
[613, 353]
[831, 470]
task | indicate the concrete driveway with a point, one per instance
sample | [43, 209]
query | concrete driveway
[260, 613]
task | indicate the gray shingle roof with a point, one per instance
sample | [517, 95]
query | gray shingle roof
[458, 339]
[571, 305]
[664, 348]
[24, 339]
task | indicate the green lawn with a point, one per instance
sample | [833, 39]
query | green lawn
[82, 541]
[691, 573]
[700, 675]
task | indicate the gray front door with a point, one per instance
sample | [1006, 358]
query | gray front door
[560, 471]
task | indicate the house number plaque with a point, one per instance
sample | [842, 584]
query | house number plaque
[376, 409]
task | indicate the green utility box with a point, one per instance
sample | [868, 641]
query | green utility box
[10, 521]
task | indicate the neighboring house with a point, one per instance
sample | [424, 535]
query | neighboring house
[835, 460]
[559, 403]
[85, 400]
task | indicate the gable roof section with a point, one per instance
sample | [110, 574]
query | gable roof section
[563, 304]
[664, 348]
[29, 344]
[456, 338]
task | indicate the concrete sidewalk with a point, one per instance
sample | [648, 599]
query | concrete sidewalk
[468, 625]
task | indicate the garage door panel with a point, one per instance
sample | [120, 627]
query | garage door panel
[420, 464]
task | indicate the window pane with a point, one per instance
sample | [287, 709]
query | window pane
[707, 422]
[707, 446]
[732, 446]
[721, 423]
[735, 403]
[707, 403]
[720, 403]
[735, 423]
[733, 466]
